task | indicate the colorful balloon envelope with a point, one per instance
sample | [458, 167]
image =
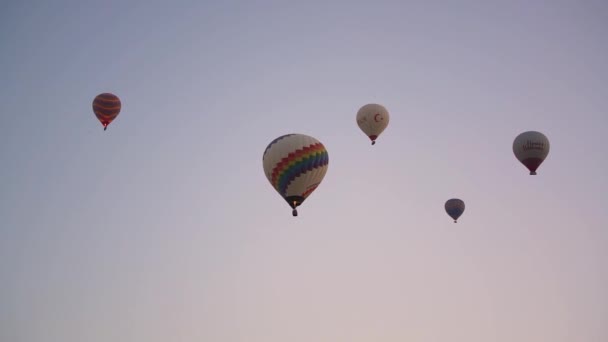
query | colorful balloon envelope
[531, 148]
[295, 165]
[106, 107]
[454, 207]
[372, 120]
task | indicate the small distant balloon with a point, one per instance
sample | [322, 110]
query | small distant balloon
[531, 148]
[106, 107]
[454, 207]
[373, 120]
[295, 165]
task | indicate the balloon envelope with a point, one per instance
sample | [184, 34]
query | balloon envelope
[295, 165]
[454, 207]
[106, 107]
[531, 148]
[372, 120]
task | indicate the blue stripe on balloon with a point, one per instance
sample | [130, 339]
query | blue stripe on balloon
[306, 164]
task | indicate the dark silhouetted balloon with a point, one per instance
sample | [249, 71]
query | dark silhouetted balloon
[454, 207]
[106, 107]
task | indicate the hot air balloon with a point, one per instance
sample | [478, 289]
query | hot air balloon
[295, 165]
[372, 119]
[454, 207]
[106, 107]
[531, 148]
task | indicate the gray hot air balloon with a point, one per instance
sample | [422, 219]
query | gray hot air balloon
[454, 207]
[531, 148]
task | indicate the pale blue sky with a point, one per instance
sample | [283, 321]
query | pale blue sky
[164, 228]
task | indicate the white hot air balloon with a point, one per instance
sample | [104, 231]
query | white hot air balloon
[295, 165]
[372, 119]
[531, 148]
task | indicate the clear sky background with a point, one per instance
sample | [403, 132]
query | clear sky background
[164, 228]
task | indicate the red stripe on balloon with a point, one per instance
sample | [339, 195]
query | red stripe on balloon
[278, 169]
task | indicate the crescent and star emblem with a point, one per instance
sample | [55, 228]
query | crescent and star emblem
[376, 117]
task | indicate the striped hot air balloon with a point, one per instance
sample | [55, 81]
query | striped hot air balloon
[106, 107]
[295, 165]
